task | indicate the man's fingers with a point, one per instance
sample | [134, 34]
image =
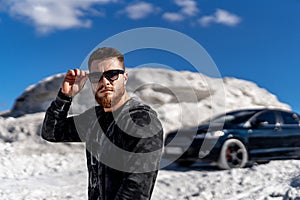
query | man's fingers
[76, 72]
[76, 76]
[71, 72]
[83, 73]
[74, 81]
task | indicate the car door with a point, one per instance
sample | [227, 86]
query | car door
[264, 139]
[290, 131]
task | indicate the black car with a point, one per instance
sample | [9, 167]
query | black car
[235, 138]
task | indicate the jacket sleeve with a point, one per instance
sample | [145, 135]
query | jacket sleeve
[144, 138]
[57, 127]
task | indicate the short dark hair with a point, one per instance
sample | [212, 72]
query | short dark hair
[104, 53]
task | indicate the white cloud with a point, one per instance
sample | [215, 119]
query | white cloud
[174, 17]
[220, 17]
[139, 10]
[206, 20]
[188, 7]
[49, 15]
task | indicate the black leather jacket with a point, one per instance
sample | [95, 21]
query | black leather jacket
[123, 148]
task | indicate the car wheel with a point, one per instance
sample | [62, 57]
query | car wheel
[233, 155]
[185, 163]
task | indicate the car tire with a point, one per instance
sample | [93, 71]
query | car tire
[233, 154]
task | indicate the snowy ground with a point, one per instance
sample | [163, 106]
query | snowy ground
[39, 170]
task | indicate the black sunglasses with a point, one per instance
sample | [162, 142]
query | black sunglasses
[110, 75]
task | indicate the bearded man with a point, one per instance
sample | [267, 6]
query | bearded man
[123, 136]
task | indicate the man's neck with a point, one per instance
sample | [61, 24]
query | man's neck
[123, 100]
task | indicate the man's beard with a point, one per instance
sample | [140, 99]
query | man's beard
[105, 102]
[110, 100]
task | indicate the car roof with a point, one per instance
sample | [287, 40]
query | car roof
[257, 110]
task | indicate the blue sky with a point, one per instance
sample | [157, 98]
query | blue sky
[255, 40]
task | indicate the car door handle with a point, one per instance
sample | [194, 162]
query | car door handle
[277, 128]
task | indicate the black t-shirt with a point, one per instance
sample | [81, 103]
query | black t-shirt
[105, 120]
[108, 118]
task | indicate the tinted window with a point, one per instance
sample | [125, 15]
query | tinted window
[268, 117]
[234, 117]
[242, 117]
[290, 118]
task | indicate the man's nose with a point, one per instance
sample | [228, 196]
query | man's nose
[104, 81]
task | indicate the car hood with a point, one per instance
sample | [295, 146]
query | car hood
[208, 128]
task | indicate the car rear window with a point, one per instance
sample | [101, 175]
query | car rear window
[290, 118]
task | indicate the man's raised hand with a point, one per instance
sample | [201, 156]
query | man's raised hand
[74, 82]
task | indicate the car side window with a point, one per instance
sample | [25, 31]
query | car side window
[267, 118]
[290, 118]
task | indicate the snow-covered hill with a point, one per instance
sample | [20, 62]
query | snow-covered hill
[181, 98]
[35, 169]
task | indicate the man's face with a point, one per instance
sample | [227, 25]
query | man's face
[108, 92]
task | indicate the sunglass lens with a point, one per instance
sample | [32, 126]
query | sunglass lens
[112, 75]
[95, 77]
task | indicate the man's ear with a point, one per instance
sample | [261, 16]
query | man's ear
[125, 77]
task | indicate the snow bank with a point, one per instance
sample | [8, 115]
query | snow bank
[58, 171]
